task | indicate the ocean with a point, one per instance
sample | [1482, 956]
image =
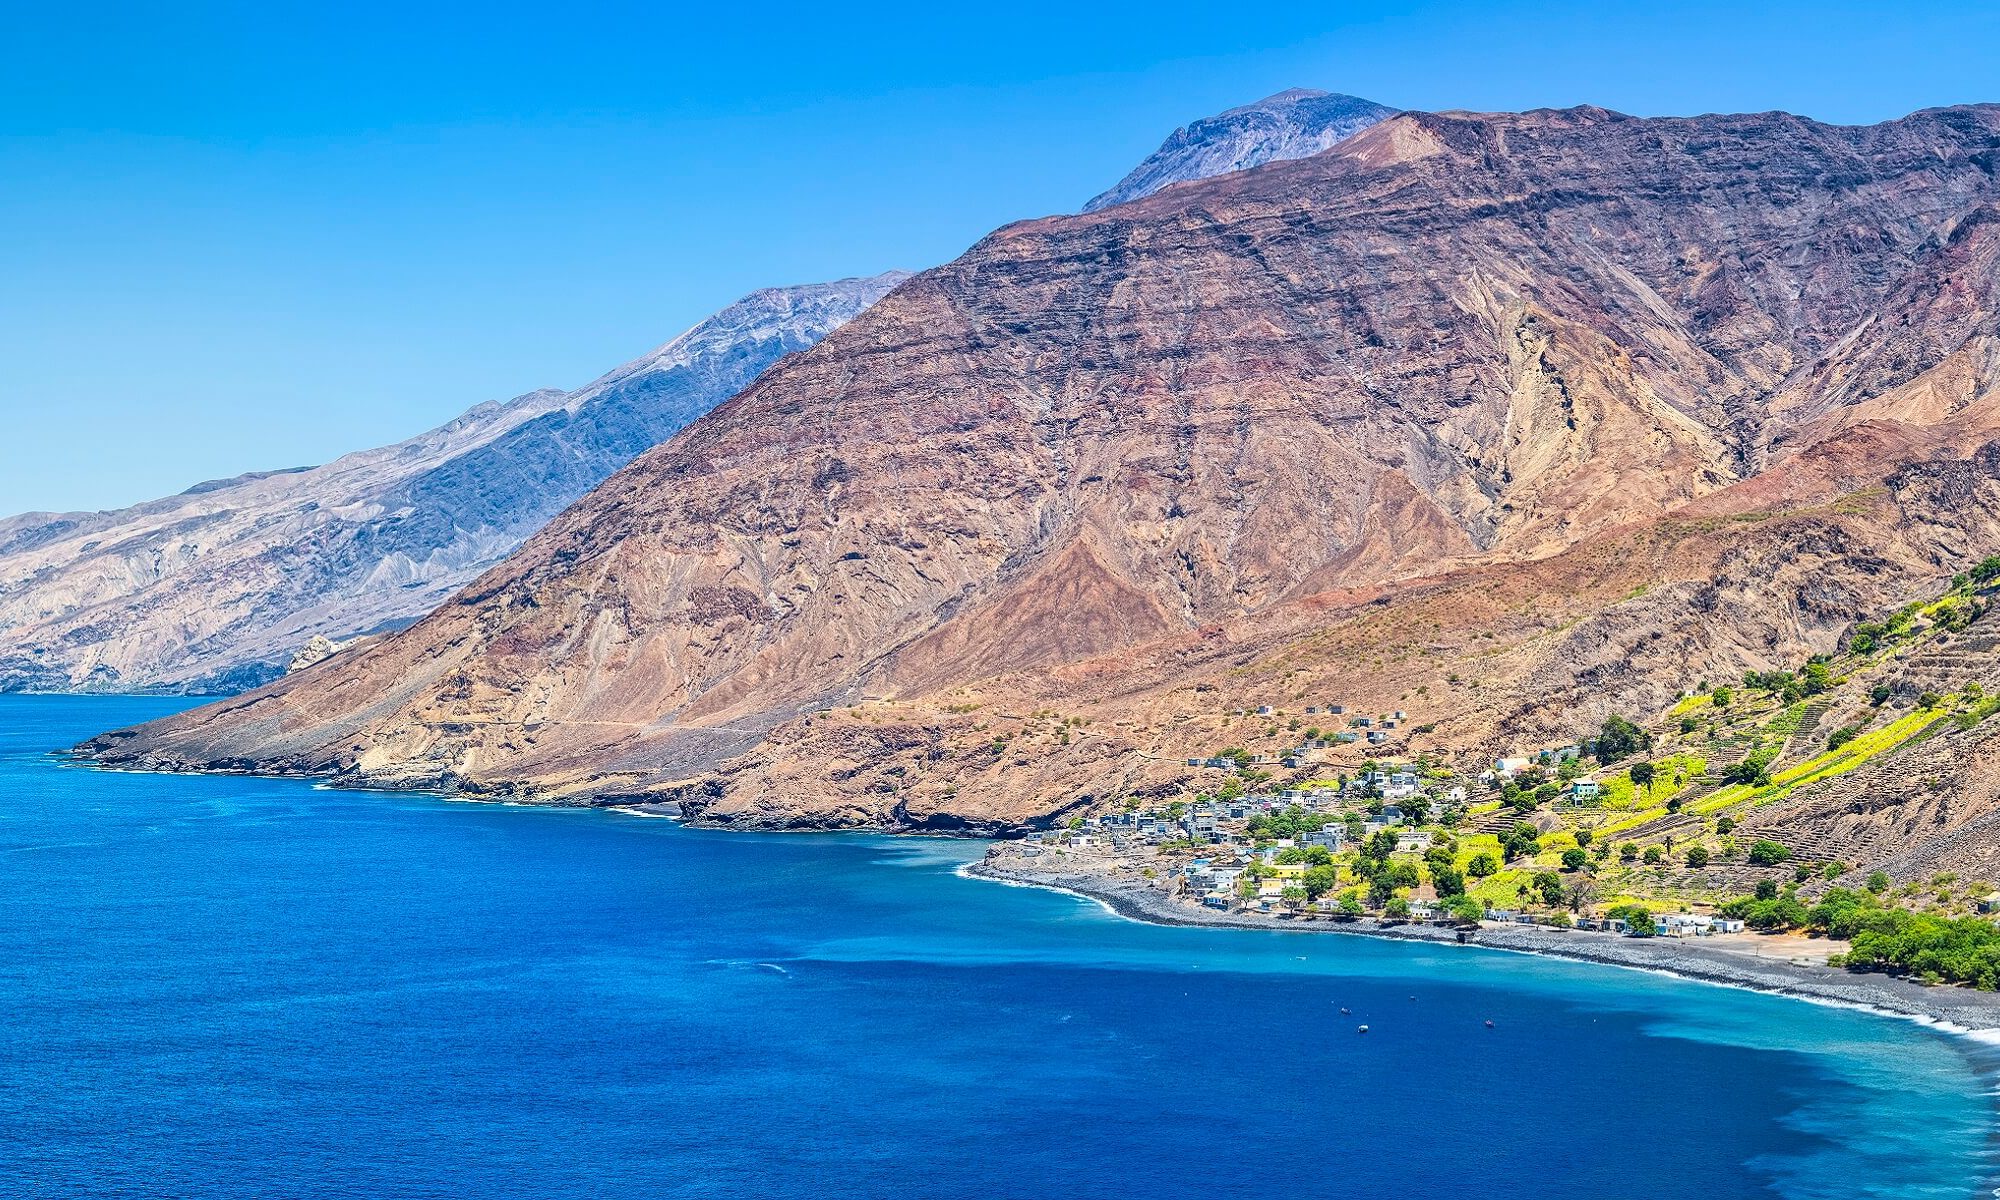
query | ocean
[233, 987]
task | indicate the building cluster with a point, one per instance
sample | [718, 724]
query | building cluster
[1580, 789]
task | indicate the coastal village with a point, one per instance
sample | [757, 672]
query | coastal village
[1662, 828]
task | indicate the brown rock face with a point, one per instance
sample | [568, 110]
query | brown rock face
[1538, 413]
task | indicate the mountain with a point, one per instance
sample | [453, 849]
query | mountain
[1510, 420]
[217, 588]
[1292, 124]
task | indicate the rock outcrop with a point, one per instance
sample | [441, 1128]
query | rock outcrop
[213, 589]
[1508, 418]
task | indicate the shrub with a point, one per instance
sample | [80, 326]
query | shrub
[1767, 853]
[1655, 855]
[1628, 851]
[1697, 857]
[1573, 860]
[1840, 737]
[1878, 882]
[1749, 773]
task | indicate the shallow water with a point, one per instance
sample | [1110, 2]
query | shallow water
[221, 987]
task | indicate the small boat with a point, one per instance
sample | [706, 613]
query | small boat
[1363, 1029]
[1489, 1024]
[1345, 1013]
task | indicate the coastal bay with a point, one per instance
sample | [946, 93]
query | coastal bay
[234, 986]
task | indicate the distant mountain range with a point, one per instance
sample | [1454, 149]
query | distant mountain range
[1512, 420]
[217, 588]
[1292, 124]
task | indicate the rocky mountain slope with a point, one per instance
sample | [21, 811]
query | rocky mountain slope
[1292, 124]
[1508, 419]
[215, 589]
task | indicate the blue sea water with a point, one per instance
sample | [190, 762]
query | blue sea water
[226, 987]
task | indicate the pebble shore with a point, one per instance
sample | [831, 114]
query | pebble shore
[1961, 1010]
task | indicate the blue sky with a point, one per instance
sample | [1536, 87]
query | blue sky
[249, 236]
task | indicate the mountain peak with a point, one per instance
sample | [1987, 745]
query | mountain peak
[1294, 123]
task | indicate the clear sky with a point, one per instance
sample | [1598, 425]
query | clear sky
[245, 236]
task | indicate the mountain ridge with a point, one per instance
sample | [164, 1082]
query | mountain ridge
[1486, 405]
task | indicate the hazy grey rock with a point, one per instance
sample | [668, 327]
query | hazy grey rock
[316, 651]
[1291, 124]
[214, 589]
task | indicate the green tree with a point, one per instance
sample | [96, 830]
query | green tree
[1697, 857]
[1620, 738]
[1522, 840]
[1467, 910]
[1767, 890]
[1397, 909]
[1574, 859]
[1638, 919]
[1350, 903]
[1448, 881]
[1320, 880]
[1481, 865]
[1643, 774]
[1878, 882]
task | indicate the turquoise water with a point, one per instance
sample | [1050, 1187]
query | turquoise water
[219, 987]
